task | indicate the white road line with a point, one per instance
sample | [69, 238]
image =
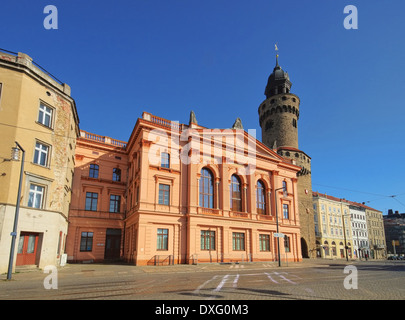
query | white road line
[197, 291]
[270, 277]
[235, 281]
[284, 278]
[221, 284]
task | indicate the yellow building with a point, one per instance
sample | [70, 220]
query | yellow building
[376, 233]
[38, 114]
[332, 227]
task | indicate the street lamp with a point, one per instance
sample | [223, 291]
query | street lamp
[278, 235]
[15, 155]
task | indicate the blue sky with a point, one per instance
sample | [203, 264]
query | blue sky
[168, 57]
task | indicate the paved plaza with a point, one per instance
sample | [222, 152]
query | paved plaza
[307, 280]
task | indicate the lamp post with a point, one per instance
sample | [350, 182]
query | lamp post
[15, 155]
[278, 238]
[344, 232]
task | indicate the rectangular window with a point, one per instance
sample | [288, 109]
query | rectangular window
[91, 201]
[86, 242]
[116, 174]
[287, 243]
[36, 196]
[115, 202]
[207, 240]
[45, 115]
[93, 172]
[162, 239]
[165, 160]
[238, 241]
[286, 214]
[164, 194]
[41, 154]
[264, 240]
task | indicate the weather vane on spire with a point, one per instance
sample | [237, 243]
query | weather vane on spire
[276, 49]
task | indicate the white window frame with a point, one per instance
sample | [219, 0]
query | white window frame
[40, 152]
[34, 193]
[45, 113]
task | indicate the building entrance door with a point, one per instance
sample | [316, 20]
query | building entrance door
[27, 249]
[112, 244]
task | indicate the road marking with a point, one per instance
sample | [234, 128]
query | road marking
[270, 277]
[274, 277]
[235, 281]
[221, 284]
[218, 288]
[197, 291]
[284, 278]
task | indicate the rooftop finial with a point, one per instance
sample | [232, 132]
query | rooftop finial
[276, 48]
[193, 118]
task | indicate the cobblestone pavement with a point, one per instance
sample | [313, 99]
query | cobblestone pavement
[307, 280]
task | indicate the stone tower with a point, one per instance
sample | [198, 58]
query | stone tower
[278, 117]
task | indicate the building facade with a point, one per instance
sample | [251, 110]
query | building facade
[98, 206]
[376, 233]
[192, 195]
[278, 118]
[332, 227]
[394, 227]
[38, 112]
[359, 231]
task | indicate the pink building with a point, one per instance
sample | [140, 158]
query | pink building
[191, 194]
[97, 208]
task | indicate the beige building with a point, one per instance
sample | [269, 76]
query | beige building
[376, 233]
[38, 113]
[332, 227]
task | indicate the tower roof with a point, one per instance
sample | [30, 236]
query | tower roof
[278, 82]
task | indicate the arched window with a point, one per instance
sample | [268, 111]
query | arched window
[260, 198]
[236, 194]
[206, 189]
[284, 185]
[334, 248]
[326, 248]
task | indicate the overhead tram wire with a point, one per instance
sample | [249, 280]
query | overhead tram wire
[368, 201]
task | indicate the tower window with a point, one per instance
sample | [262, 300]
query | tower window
[269, 125]
[294, 123]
